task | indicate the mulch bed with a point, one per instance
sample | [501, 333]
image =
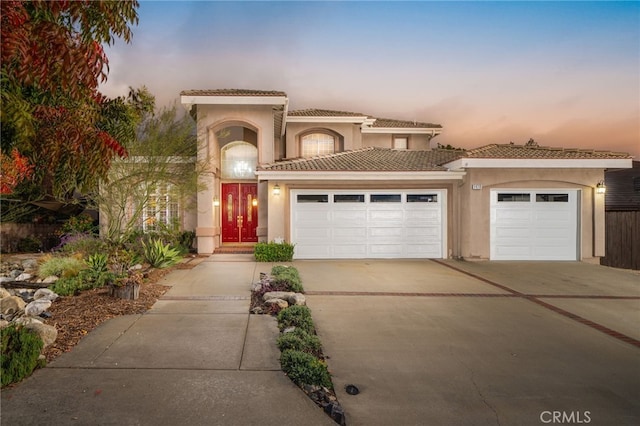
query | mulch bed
[76, 316]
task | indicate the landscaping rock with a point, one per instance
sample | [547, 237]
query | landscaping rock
[257, 310]
[4, 293]
[45, 293]
[12, 304]
[284, 295]
[23, 277]
[47, 333]
[4, 324]
[50, 279]
[282, 304]
[288, 330]
[14, 273]
[37, 307]
[27, 320]
[5, 280]
[30, 264]
[297, 299]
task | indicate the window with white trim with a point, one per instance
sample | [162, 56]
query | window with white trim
[400, 142]
[315, 144]
[162, 209]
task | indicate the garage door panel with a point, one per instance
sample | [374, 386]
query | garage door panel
[379, 225]
[540, 229]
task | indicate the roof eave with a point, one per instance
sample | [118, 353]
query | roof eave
[326, 119]
[539, 163]
[294, 175]
[433, 131]
[189, 100]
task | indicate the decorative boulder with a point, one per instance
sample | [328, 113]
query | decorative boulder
[27, 320]
[284, 295]
[297, 299]
[44, 293]
[275, 301]
[35, 308]
[23, 277]
[47, 333]
[4, 293]
[50, 279]
[10, 305]
[30, 264]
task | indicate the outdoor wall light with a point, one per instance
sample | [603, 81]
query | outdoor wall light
[254, 202]
[216, 202]
[276, 189]
[601, 188]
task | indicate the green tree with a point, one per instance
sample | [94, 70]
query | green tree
[164, 153]
[51, 110]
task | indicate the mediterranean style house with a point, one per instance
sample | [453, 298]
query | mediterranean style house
[348, 185]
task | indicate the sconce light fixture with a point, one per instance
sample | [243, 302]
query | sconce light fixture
[254, 202]
[276, 189]
[601, 188]
[216, 201]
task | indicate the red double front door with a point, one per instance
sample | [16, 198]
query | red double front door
[239, 212]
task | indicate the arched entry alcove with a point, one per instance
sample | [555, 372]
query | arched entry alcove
[238, 218]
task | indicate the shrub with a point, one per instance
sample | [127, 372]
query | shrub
[67, 286]
[299, 340]
[29, 245]
[85, 244]
[273, 252]
[97, 262]
[122, 260]
[296, 316]
[83, 223]
[160, 255]
[20, 351]
[66, 267]
[289, 276]
[303, 368]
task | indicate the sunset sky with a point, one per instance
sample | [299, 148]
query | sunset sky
[564, 73]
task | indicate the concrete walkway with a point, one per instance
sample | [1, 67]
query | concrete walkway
[196, 358]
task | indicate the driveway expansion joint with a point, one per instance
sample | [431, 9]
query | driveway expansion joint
[536, 299]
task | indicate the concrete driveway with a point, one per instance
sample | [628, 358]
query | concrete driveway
[477, 343]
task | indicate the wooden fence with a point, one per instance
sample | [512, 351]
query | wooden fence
[622, 239]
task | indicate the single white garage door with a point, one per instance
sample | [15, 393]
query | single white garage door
[368, 224]
[534, 225]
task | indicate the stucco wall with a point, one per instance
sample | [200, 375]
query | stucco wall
[474, 239]
[352, 138]
[210, 119]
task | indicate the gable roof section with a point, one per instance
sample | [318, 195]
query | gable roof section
[534, 156]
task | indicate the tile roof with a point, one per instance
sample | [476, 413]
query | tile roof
[315, 112]
[232, 92]
[370, 159]
[510, 151]
[387, 122]
[379, 122]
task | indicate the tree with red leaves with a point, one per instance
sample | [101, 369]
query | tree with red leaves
[52, 112]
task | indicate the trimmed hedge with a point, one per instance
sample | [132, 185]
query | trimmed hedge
[273, 252]
[297, 316]
[303, 368]
[299, 340]
[288, 276]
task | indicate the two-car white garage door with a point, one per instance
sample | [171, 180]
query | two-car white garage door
[353, 224]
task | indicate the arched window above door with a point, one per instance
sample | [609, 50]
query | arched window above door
[314, 144]
[238, 160]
